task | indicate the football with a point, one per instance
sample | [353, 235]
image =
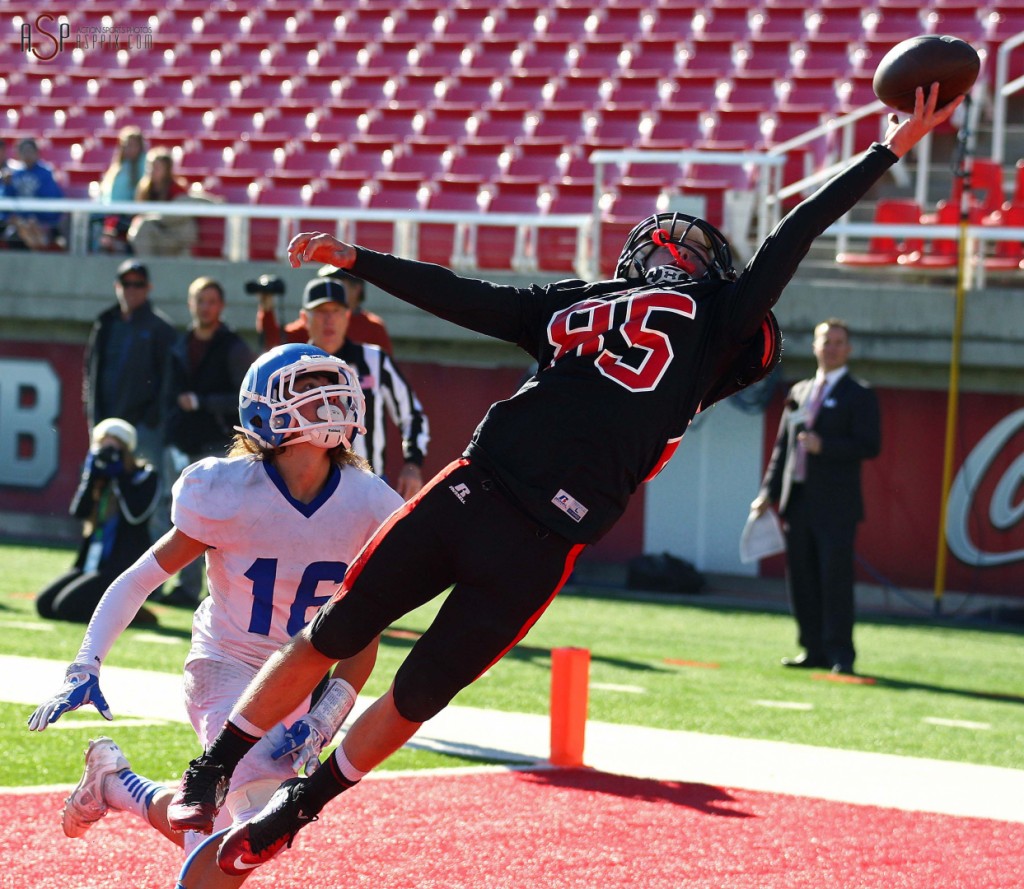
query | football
[921, 61]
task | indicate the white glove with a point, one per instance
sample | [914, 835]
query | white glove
[308, 736]
[81, 686]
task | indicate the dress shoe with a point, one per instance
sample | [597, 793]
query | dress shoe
[843, 669]
[805, 661]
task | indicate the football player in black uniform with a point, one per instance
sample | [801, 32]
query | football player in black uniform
[624, 365]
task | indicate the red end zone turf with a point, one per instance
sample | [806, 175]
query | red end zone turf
[570, 829]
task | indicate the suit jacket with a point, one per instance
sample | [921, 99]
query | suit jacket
[850, 428]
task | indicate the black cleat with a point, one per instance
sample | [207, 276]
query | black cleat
[268, 832]
[202, 792]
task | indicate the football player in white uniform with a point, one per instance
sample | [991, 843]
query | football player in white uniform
[279, 520]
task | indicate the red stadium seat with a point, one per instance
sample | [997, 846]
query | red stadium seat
[423, 156]
[508, 122]
[935, 253]
[517, 21]
[710, 55]
[598, 55]
[506, 247]
[579, 88]
[446, 243]
[620, 123]
[557, 247]
[476, 89]
[1007, 256]
[390, 191]
[676, 128]
[885, 249]
[449, 120]
[734, 130]
[749, 92]
[396, 121]
[661, 53]
[824, 56]
[767, 56]
[628, 87]
[524, 87]
[538, 158]
[483, 159]
[567, 122]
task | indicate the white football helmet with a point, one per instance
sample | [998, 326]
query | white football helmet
[269, 401]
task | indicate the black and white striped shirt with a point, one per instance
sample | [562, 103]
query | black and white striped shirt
[385, 389]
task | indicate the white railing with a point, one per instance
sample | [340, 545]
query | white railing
[1001, 94]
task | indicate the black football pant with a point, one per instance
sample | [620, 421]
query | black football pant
[462, 532]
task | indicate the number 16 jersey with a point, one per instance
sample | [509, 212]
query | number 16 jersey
[273, 561]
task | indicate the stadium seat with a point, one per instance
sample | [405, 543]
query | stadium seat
[824, 56]
[396, 121]
[392, 54]
[543, 159]
[389, 191]
[443, 55]
[508, 122]
[546, 54]
[837, 22]
[503, 246]
[723, 22]
[767, 56]
[580, 88]
[620, 123]
[557, 247]
[749, 92]
[779, 23]
[425, 157]
[661, 54]
[475, 89]
[678, 127]
[365, 155]
[449, 120]
[935, 253]
[564, 121]
[419, 87]
[711, 182]
[367, 87]
[311, 159]
[416, 22]
[1006, 256]
[598, 55]
[802, 92]
[710, 55]
[517, 21]
[987, 194]
[885, 250]
[446, 243]
[628, 87]
[525, 87]
[734, 130]
[483, 159]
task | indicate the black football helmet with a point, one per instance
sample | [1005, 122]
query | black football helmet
[681, 234]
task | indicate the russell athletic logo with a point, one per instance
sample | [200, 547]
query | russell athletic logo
[461, 491]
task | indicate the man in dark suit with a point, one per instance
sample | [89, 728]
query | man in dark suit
[829, 426]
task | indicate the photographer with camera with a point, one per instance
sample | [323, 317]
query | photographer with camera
[114, 500]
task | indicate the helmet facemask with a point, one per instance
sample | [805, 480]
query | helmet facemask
[273, 416]
[691, 250]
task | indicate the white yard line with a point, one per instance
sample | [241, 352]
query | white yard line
[772, 766]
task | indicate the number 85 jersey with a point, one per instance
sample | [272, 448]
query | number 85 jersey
[273, 561]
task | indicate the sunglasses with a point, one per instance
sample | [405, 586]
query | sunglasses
[136, 284]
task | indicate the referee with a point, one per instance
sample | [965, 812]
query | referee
[326, 314]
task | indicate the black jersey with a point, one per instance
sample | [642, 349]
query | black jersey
[622, 368]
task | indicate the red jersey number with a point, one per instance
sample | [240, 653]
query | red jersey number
[581, 328]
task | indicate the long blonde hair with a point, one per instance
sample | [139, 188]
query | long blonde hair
[244, 446]
[136, 165]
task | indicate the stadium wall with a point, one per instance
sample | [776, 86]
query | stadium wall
[697, 506]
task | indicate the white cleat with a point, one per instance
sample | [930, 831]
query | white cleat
[86, 805]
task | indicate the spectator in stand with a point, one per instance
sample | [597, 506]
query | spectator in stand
[114, 500]
[157, 234]
[120, 183]
[33, 230]
[207, 366]
[126, 359]
[363, 326]
[7, 165]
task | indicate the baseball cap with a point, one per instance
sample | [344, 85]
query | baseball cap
[117, 428]
[323, 290]
[132, 265]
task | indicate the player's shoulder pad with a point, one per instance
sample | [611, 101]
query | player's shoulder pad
[212, 492]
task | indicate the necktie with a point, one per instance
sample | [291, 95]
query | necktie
[813, 406]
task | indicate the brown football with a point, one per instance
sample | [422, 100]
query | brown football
[921, 61]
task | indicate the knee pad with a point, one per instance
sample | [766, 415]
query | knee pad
[424, 687]
[246, 801]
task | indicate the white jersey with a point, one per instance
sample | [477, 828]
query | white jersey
[273, 561]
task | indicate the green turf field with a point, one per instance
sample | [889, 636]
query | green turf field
[939, 690]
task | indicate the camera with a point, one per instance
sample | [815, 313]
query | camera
[108, 461]
[265, 284]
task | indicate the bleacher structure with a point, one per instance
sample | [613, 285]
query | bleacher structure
[478, 107]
